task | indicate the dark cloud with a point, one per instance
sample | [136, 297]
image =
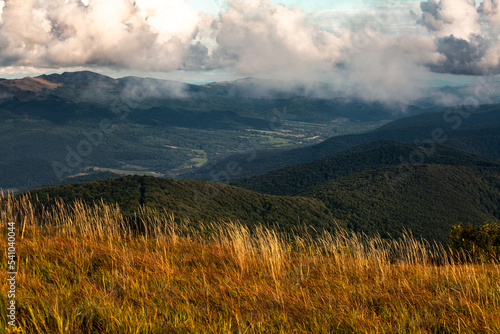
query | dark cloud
[465, 36]
[430, 18]
[196, 58]
[461, 56]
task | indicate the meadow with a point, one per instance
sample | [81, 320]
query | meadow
[87, 269]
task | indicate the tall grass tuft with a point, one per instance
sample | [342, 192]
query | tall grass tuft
[88, 269]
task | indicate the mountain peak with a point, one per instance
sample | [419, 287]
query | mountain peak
[30, 84]
[80, 79]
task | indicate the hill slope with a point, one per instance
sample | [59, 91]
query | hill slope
[98, 278]
[427, 202]
[198, 201]
[374, 155]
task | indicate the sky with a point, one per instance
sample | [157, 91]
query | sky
[384, 49]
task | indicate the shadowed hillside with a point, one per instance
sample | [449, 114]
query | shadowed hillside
[428, 201]
[197, 201]
[295, 179]
[478, 132]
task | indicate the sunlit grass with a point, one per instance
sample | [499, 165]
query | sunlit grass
[85, 269]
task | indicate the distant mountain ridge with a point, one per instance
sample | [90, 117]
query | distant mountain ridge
[305, 101]
[478, 132]
[374, 155]
[80, 79]
[30, 84]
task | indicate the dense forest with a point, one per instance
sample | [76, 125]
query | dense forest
[476, 131]
[374, 155]
[196, 201]
[427, 202]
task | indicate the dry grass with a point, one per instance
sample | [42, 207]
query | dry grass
[85, 270]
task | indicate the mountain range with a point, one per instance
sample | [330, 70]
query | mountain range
[427, 203]
[472, 129]
[62, 125]
[292, 180]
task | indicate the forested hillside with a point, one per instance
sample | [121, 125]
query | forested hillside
[374, 155]
[476, 130]
[197, 201]
[427, 201]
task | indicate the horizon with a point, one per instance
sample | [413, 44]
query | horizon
[456, 81]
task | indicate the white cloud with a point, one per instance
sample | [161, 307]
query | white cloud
[143, 34]
[451, 17]
[261, 37]
[2, 5]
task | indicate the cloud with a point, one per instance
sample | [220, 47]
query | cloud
[451, 17]
[258, 37]
[461, 56]
[146, 34]
[465, 36]
[491, 11]
[364, 54]
[250, 36]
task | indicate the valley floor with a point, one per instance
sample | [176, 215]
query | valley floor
[88, 272]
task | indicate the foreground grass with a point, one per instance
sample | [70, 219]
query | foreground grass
[84, 270]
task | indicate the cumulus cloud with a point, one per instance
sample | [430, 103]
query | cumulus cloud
[261, 37]
[461, 56]
[451, 17]
[361, 59]
[466, 35]
[146, 34]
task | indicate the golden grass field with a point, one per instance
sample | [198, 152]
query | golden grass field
[82, 269]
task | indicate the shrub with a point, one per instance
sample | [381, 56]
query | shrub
[476, 244]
